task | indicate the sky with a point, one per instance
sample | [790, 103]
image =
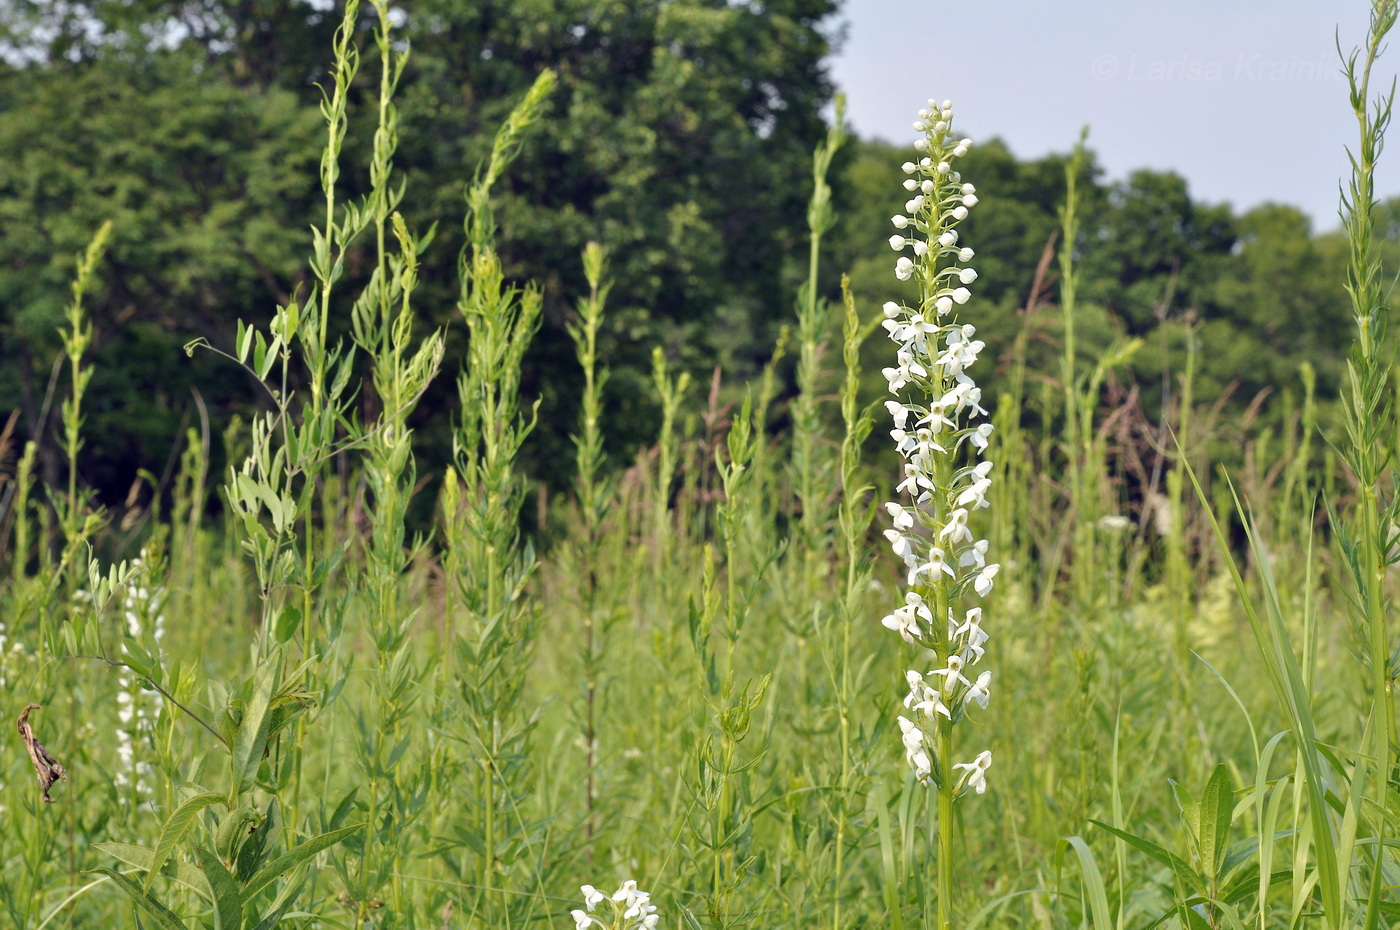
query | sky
[1243, 98]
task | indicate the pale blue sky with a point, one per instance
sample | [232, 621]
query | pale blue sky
[1241, 97]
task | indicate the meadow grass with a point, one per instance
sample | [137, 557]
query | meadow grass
[299, 713]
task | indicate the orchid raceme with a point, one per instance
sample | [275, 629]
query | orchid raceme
[630, 909]
[936, 431]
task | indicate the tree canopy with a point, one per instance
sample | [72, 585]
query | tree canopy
[680, 137]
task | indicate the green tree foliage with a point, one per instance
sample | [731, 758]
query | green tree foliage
[680, 138]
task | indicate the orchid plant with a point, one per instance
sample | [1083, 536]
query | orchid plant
[945, 482]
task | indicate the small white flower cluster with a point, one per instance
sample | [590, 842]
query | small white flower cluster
[631, 909]
[12, 652]
[936, 414]
[141, 611]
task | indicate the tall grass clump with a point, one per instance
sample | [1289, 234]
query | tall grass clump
[944, 481]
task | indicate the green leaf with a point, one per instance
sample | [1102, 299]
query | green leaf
[1216, 807]
[176, 826]
[285, 863]
[162, 915]
[1093, 880]
[1184, 873]
[287, 623]
[228, 906]
[252, 735]
[142, 858]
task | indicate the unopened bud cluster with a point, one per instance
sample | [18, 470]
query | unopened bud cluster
[941, 433]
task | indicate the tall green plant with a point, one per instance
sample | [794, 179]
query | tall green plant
[935, 423]
[486, 563]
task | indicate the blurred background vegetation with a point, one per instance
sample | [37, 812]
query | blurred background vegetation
[680, 138]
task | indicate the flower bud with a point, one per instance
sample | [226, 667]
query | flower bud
[965, 254]
[900, 221]
[897, 242]
[891, 309]
[960, 213]
[961, 295]
[903, 269]
[967, 275]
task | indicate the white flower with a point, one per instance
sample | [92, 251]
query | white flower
[905, 620]
[899, 219]
[976, 493]
[903, 269]
[978, 437]
[908, 369]
[965, 254]
[916, 483]
[975, 554]
[969, 200]
[910, 184]
[906, 547]
[933, 567]
[581, 920]
[974, 635]
[914, 750]
[899, 411]
[948, 238]
[592, 897]
[903, 516]
[960, 213]
[977, 770]
[926, 187]
[915, 205]
[926, 700]
[961, 295]
[982, 581]
[909, 167]
[955, 530]
[898, 242]
[960, 150]
[967, 275]
[978, 692]
[920, 247]
[952, 674]
[944, 167]
[891, 309]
